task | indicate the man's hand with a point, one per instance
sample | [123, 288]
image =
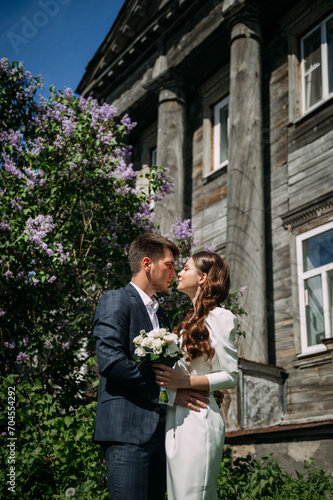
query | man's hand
[192, 399]
[218, 395]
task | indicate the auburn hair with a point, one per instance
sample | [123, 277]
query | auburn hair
[213, 292]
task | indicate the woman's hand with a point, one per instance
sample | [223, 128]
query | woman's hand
[168, 377]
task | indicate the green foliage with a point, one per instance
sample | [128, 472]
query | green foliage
[54, 451]
[248, 479]
[54, 455]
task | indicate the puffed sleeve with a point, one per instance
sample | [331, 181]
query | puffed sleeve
[222, 326]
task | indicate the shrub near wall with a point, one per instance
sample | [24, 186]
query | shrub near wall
[53, 453]
[249, 479]
[56, 459]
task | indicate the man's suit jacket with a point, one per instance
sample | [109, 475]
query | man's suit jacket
[127, 407]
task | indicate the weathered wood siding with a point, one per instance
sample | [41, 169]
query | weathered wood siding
[299, 162]
[209, 195]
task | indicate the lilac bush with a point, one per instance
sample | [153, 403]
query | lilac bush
[69, 207]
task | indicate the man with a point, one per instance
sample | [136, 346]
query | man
[130, 424]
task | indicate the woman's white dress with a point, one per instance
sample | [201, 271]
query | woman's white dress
[194, 440]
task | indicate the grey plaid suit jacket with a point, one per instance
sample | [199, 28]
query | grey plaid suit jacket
[127, 407]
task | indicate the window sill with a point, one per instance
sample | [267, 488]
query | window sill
[211, 176]
[314, 359]
[312, 111]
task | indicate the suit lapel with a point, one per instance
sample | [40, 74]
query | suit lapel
[145, 320]
[162, 319]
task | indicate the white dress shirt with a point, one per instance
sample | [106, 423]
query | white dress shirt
[152, 306]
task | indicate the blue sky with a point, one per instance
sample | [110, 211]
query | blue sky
[55, 38]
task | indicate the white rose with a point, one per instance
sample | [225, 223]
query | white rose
[153, 333]
[162, 332]
[139, 351]
[172, 350]
[138, 340]
[157, 346]
[147, 342]
[171, 337]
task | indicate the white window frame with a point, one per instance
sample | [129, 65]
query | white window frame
[302, 276]
[324, 66]
[217, 126]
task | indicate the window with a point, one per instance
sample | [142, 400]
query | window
[317, 64]
[315, 275]
[221, 133]
[153, 157]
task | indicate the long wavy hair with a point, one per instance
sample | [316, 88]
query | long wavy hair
[213, 292]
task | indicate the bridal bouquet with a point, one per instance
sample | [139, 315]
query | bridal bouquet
[157, 346]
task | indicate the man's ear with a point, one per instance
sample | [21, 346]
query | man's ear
[146, 264]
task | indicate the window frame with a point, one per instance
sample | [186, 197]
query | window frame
[214, 90]
[224, 103]
[304, 275]
[324, 66]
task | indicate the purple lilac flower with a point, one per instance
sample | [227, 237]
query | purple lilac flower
[26, 342]
[48, 344]
[51, 279]
[69, 93]
[210, 248]
[4, 226]
[2, 313]
[68, 127]
[126, 121]
[13, 138]
[4, 65]
[9, 275]
[21, 357]
[144, 217]
[6, 345]
[12, 345]
[37, 229]
[64, 257]
[62, 323]
[167, 184]
[10, 166]
[36, 146]
[16, 204]
[242, 291]
[65, 346]
[124, 171]
[182, 229]
[126, 249]
[31, 177]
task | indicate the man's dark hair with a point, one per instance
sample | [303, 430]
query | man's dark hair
[149, 245]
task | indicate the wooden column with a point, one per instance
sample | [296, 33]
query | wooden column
[171, 150]
[245, 220]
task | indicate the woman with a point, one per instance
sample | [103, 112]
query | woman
[194, 440]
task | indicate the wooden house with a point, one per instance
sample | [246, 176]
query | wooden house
[235, 97]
